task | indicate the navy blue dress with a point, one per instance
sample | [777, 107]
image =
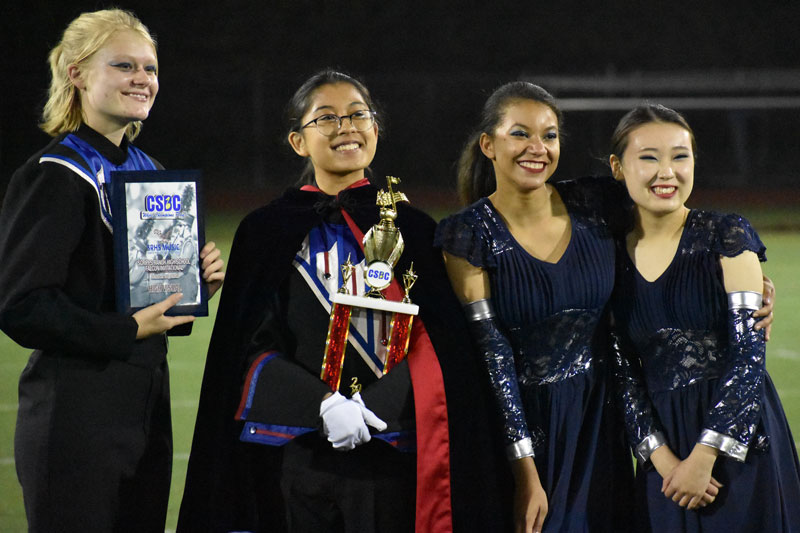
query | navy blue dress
[554, 317]
[686, 376]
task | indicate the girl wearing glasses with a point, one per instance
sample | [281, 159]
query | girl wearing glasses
[274, 446]
[93, 443]
[700, 406]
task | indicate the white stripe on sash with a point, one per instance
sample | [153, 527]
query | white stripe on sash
[83, 174]
[364, 324]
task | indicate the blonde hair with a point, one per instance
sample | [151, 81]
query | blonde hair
[83, 37]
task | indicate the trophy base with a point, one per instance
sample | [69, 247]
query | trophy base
[377, 304]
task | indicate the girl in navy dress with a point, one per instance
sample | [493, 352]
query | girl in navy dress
[715, 451]
[534, 263]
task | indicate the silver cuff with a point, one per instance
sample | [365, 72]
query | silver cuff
[648, 445]
[478, 310]
[521, 448]
[744, 300]
[726, 445]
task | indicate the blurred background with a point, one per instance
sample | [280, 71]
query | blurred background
[227, 70]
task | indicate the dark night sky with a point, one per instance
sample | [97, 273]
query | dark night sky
[226, 73]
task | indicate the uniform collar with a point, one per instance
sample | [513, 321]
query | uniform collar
[313, 188]
[115, 154]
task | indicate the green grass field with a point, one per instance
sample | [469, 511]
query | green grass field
[187, 356]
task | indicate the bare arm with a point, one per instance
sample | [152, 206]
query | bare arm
[530, 500]
[768, 293]
[471, 284]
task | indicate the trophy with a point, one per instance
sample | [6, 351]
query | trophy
[383, 245]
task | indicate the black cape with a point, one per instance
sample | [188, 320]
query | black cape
[231, 485]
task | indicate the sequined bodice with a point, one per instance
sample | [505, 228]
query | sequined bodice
[550, 311]
[678, 323]
[559, 347]
[676, 358]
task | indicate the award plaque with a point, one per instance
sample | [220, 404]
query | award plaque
[383, 245]
[158, 234]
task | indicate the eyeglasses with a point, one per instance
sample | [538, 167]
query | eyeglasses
[329, 124]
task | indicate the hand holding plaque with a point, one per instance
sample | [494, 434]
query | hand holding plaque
[383, 245]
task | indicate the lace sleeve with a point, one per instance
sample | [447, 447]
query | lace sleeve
[736, 406]
[464, 235]
[641, 424]
[735, 235]
[499, 359]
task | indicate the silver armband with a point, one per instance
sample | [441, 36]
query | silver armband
[726, 445]
[521, 448]
[478, 310]
[744, 300]
[648, 445]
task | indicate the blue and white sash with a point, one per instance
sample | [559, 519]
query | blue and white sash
[96, 169]
[323, 251]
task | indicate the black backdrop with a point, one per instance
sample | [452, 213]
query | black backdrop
[227, 69]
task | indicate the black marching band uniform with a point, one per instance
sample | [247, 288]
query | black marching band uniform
[258, 421]
[93, 443]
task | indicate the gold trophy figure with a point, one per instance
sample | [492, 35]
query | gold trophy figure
[383, 245]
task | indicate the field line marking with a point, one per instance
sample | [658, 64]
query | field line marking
[785, 353]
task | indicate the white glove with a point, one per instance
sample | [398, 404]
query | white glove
[370, 418]
[343, 422]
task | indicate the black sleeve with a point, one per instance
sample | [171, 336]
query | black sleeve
[391, 398]
[252, 321]
[289, 389]
[181, 331]
[42, 227]
[286, 392]
[601, 196]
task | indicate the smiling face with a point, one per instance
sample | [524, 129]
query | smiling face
[657, 167]
[525, 146]
[339, 159]
[117, 84]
